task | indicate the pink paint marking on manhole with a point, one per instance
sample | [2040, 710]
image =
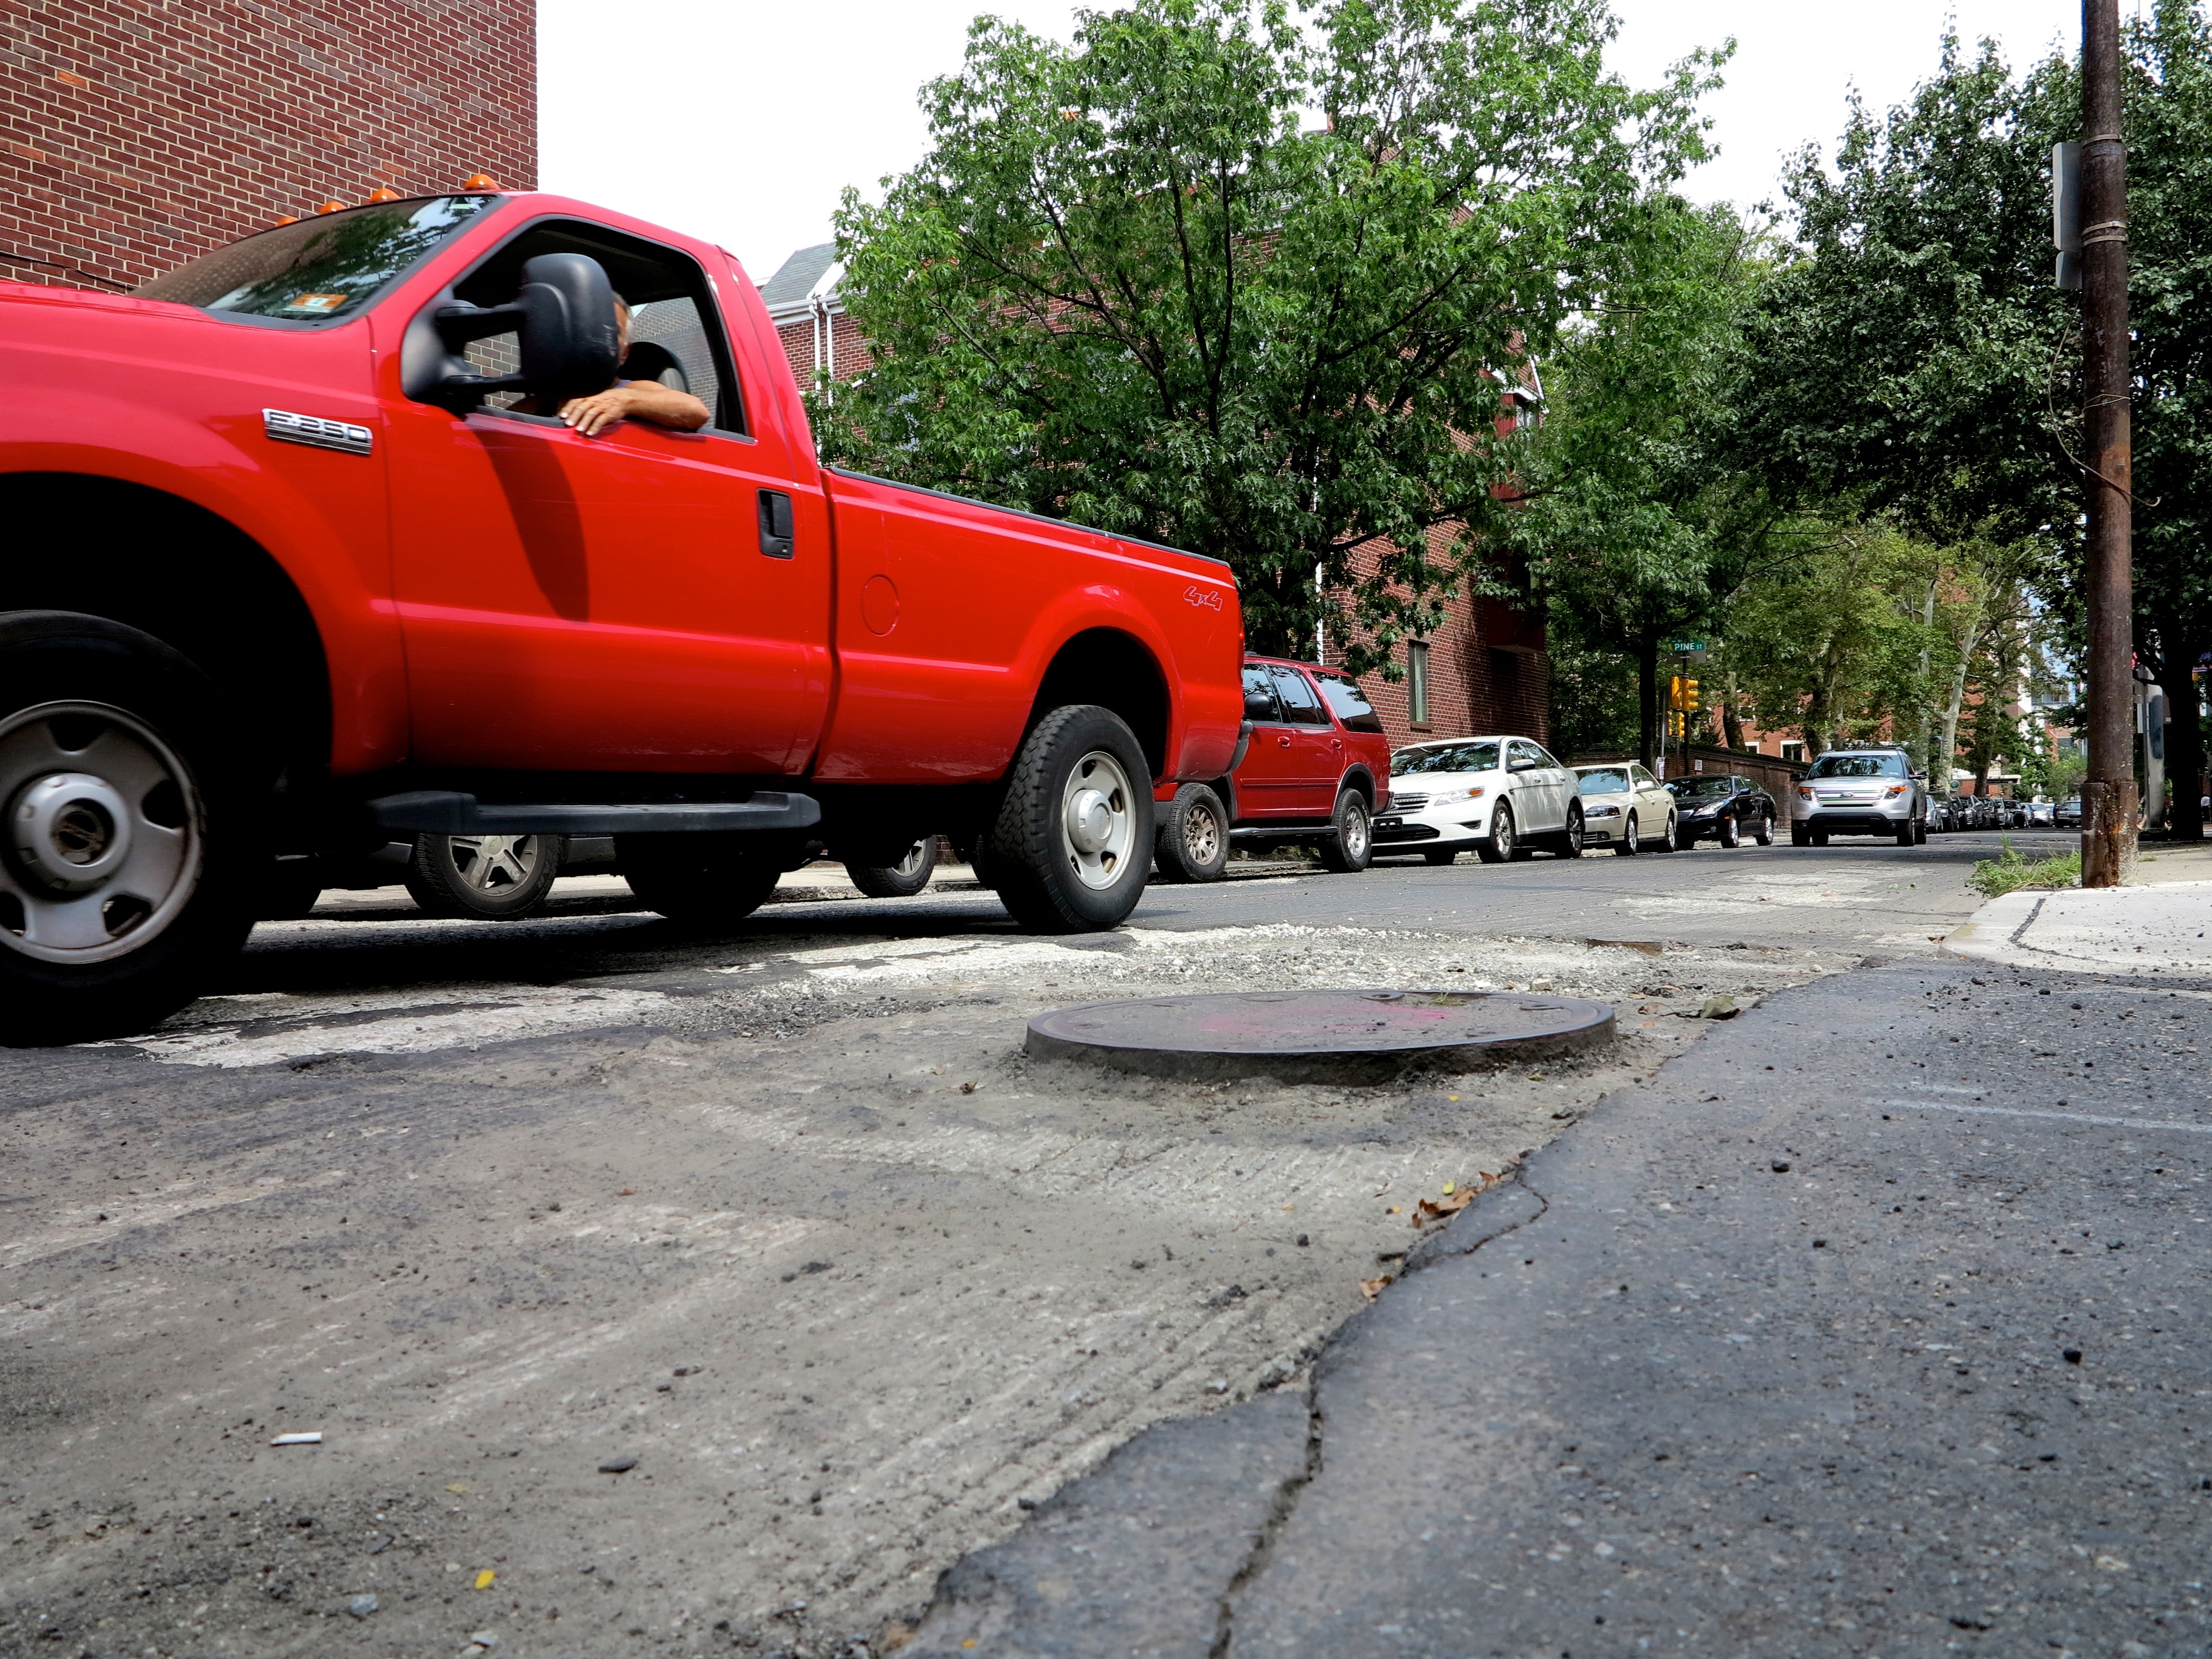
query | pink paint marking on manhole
[1320, 1036]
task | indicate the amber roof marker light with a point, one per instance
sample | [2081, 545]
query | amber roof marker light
[331, 207]
[285, 219]
[383, 194]
[480, 181]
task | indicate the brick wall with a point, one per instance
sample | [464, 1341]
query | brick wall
[135, 134]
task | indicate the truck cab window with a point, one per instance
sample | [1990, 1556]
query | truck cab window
[674, 327]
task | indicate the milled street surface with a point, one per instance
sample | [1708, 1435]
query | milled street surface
[785, 1217]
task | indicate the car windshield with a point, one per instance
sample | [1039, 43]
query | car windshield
[1448, 758]
[1605, 781]
[1697, 788]
[1858, 766]
[332, 265]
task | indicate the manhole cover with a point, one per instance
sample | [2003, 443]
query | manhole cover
[1320, 1036]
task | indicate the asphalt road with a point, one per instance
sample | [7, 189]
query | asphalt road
[1873, 1326]
[480, 1201]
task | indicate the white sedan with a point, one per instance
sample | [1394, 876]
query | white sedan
[1625, 805]
[1503, 797]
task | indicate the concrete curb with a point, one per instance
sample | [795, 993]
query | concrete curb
[2162, 932]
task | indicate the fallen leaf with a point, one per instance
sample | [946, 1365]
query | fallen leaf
[1429, 1209]
[967, 1088]
[1371, 1288]
[485, 1578]
[1718, 1008]
[1449, 1186]
[456, 1486]
[627, 1192]
[1535, 1077]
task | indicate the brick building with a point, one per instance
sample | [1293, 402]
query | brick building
[135, 134]
[1485, 669]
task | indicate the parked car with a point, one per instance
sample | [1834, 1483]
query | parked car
[404, 603]
[1499, 796]
[1723, 807]
[1859, 792]
[2041, 814]
[1623, 804]
[1313, 770]
[2069, 813]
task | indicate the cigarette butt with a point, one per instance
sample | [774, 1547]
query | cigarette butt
[312, 1437]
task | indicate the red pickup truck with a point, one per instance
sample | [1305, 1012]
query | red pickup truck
[295, 565]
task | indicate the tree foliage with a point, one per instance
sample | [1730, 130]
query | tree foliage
[1125, 287]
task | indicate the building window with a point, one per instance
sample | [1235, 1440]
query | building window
[1417, 682]
[1792, 751]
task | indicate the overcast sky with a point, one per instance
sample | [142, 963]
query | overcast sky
[740, 121]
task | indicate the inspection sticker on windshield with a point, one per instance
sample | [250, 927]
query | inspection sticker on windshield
[317, 304]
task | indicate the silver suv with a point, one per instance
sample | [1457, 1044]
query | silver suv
[1859, 792]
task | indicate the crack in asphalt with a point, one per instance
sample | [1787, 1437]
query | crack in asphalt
[1285, 1501]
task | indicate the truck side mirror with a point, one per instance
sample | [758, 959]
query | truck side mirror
[563, 321]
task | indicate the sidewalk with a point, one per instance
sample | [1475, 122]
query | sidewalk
[1870, 1329]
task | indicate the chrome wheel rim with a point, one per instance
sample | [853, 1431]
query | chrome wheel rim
[105, 833]
[1628, 834]
[1097, 819]
[909, 866]
[1502, 832]
[493, 864]
[1355, 830]
[1201, 833]
[1575, 832]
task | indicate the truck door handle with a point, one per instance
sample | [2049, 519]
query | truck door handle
[1336, 743]
[1282, 742]
[775, 538]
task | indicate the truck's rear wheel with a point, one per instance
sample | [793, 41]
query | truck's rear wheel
[1072, 844]
[1192, 842]
[901, 880]
[484, 877]
[702, 880]
[121, 880]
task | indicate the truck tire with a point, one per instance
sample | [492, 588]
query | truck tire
[901, 880]
[124, 875]
[701, 880]
[1352, 848]
[1070, 847]
[484, 877]
[1192, 842]
[1800, 835]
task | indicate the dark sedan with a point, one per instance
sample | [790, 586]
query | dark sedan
[1722, 807]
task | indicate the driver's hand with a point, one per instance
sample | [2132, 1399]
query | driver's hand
[594, 415]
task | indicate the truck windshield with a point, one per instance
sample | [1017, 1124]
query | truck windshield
[332, 265]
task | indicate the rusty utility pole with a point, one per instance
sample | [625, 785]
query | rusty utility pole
[2108, 794]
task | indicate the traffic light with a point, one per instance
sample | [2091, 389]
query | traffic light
[1674, 693]
[1690, 695]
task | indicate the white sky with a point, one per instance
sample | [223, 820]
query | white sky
[741, 120]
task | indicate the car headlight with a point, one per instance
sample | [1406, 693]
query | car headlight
[1804, 793]
[1896, 789]
[1438, 799]
[1601, 812]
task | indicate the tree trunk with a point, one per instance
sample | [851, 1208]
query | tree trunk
[1926, 743]
[1646, 696]
[1940, 766]
[1731, 724]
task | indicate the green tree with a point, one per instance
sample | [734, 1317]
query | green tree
[1913, 358]
[1126, 287]
[1633, 527]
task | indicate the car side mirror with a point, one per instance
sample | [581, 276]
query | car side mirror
[563, 321]
[1521, 766]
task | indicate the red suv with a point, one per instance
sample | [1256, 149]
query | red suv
[1315, 769]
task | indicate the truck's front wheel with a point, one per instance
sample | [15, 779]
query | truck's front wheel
[1073, 841]
[121, 883]
[702, 880]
